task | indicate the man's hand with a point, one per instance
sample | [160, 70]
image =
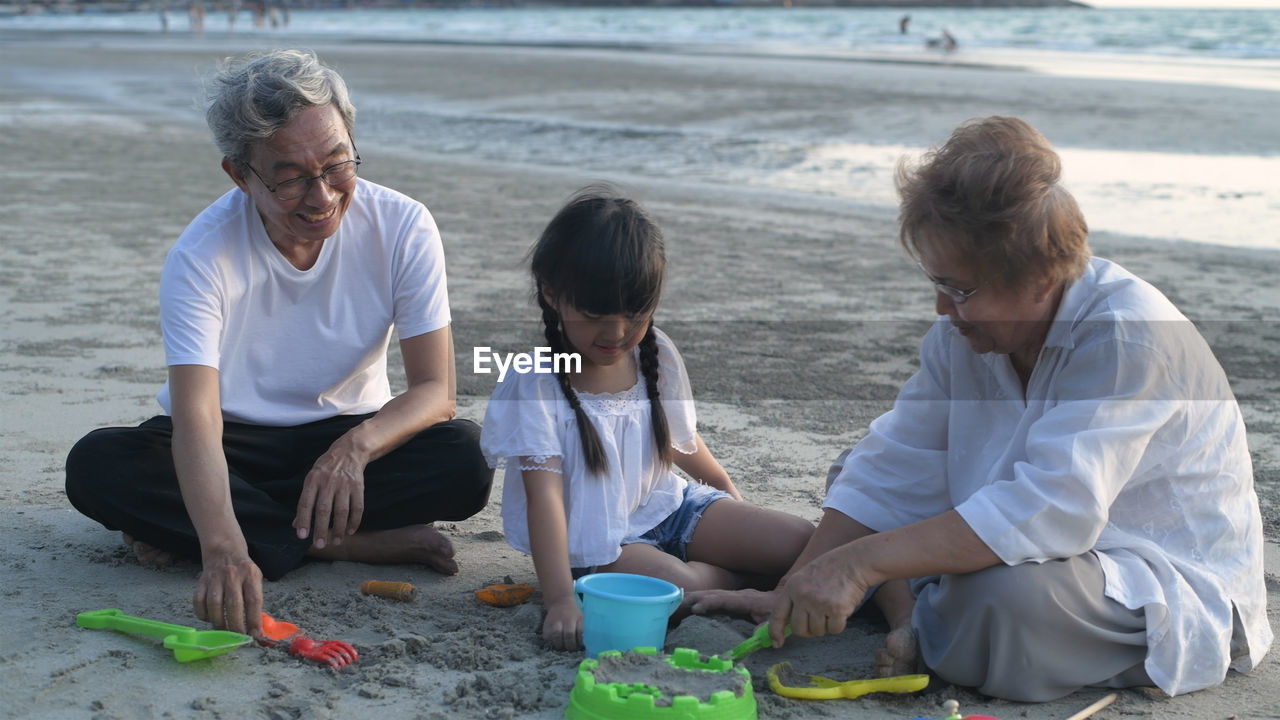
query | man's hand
[331, 505]
[332, 502]
[229, 593]
[229, 590]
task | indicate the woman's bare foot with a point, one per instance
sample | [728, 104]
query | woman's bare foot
[148, 555]
[410, 544]
[899, 654]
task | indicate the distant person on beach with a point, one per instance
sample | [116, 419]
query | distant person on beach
[195, 11]
[280, 438]
[278, 13]
[258, 10]
[589, 449]
[1062, 495]
[946, 42]
[903, 22]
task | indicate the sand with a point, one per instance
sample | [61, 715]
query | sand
[797, 316]
[664, 676]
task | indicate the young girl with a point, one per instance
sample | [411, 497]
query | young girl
[589, 485]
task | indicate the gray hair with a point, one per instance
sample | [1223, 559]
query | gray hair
[255, 95]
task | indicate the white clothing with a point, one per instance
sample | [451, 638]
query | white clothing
[1128, 443]
[529, 424]
[294, 346]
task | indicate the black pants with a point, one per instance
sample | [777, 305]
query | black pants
[123, 477]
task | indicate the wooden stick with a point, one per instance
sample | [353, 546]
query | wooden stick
[1089, 711]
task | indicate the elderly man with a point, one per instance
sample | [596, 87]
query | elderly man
[280, 438]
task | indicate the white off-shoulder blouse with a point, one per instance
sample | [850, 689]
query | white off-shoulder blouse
[529, 425]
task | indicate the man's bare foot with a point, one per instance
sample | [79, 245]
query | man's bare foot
[899, 654]
[410, 544]
[148, 555]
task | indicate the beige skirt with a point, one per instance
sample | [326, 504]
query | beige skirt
[1031, 632]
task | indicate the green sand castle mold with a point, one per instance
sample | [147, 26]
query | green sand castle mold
[732, 699]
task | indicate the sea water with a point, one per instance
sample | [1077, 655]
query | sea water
[1228, 196]
[1251, 34]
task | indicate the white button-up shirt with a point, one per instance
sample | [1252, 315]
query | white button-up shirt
[1128, 443]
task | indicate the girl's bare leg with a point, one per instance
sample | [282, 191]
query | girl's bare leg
[749, 540]
[643, 559]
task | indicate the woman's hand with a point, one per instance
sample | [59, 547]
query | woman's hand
[818, 598]
[562, 627]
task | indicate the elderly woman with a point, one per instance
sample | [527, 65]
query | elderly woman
[1065, 480]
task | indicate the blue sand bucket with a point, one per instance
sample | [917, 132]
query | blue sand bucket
[621, 611]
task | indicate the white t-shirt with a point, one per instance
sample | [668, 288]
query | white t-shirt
[294, 346]
[1128, 442]
[529, 420]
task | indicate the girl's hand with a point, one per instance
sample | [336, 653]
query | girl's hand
[562, 627]
[750, 604]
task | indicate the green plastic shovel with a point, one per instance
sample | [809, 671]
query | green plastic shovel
[186, 643]
[758, 641]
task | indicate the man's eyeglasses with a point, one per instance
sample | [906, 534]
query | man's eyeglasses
[297, 187]
[957, 295]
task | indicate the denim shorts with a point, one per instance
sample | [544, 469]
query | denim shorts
[673, 534]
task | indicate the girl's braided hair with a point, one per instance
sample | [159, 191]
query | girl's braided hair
[603, 255]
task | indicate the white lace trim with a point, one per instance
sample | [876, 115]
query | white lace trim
[541, 462]
[623, 403]
[619, 403]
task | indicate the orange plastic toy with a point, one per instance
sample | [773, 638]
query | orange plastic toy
[277, 630]
[387, 589]
[334, 653]
[505, 594]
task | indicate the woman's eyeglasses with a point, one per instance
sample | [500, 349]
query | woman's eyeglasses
[957, 295]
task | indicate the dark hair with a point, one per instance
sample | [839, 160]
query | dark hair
[603, 255]
[992, 195]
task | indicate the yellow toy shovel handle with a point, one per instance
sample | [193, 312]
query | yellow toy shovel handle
[822, 688]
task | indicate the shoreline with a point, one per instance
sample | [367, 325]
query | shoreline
[1246, 73]
[1157, 158]
[118, 6]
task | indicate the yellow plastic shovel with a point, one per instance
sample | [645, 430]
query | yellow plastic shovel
[821, 688]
